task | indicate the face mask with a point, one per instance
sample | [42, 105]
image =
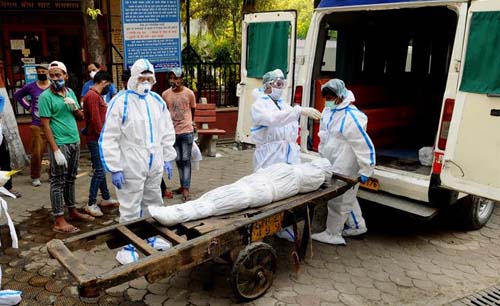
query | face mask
[275, 93]
[105, 90]
[92, 74]
[58, 84]
[173, 85]
[144, 88]
[331, 105]
[41, 76]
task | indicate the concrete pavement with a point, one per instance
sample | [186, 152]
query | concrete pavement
[400, 261]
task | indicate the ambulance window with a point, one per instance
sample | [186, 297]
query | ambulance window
[481, 59]
[267, 47]
[330, 54]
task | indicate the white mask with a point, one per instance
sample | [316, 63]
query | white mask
[92, 74]
[275, 93]
[143, 88]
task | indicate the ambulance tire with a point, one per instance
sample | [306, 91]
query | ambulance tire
[473, 212]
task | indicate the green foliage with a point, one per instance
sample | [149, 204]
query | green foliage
[304, 10]
[219, 39]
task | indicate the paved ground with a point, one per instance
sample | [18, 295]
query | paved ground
[400, 261]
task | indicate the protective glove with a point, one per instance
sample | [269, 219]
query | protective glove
[71, 104]
[167, 168]
[310, 112]
[118, 179]
[60, 159]
[363, 179]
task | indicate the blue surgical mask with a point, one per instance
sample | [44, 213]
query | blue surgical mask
[331, 105]
[58, 84]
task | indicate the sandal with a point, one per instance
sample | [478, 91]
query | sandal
[168, 194]
[178, 190]
[67, 230]
[16, 193]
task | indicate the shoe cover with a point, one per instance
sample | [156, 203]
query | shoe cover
[286, 233]
[127, 255]
[349, 232]
[326, 237]
[159, 243]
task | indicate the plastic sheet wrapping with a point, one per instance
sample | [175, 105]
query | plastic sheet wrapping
[9, 297]
[274, 183]
[18, 157]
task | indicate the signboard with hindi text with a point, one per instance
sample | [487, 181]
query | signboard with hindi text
[151, 30]
[30, 5]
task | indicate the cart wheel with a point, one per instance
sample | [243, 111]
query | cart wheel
[253, 271]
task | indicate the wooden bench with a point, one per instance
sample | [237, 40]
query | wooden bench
[205, 114]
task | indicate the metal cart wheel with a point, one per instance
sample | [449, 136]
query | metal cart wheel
[253, 271]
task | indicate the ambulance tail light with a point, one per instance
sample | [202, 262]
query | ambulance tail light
[449, 104]
[437, 165]
[297, 97]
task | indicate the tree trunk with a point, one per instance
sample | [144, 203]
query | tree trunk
[94, 44]
[248, 6]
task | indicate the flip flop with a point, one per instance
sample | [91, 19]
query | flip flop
[73, 230]
[178, 190]
[16, 193]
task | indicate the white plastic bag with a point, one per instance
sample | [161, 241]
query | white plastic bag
[195, 157]
[9, 297]
[159, 243]
[127, 255]
[425, 156]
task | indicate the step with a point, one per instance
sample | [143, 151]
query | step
[411, 206]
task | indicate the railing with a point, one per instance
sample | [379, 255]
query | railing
[214, 81]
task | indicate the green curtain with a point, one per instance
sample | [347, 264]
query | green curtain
[482, 60]
[267, 47]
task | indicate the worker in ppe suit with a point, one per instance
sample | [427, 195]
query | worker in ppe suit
[137, 143]
[275, 126]
[344, 141]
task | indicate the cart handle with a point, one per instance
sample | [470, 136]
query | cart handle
[347, 179]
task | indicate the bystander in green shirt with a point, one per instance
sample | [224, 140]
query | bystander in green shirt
[62, 120]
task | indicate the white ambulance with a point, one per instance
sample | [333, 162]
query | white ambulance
[426, 73]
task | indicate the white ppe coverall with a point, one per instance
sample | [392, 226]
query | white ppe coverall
[274, 132]
[345, 143]
[137, 138]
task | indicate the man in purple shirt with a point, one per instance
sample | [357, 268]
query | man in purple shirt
[38, 140]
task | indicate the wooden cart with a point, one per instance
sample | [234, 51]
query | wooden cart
[236, 237]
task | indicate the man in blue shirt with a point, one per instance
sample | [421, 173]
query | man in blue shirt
[93, 68]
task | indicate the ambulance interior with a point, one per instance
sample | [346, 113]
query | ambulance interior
[396, 63]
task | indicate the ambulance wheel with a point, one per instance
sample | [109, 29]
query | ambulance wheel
[253, 271]
[474, 212]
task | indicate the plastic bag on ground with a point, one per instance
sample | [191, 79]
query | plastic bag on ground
[196, 157]
[425, 155]
[127, 254]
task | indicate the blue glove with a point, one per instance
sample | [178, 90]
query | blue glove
[167, 167]
[118, 179]
[363, 179]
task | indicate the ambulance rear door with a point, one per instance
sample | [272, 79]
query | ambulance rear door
[471, 162]
[268, 43]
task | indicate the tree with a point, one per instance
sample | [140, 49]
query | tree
[222, 21]
[94, 43]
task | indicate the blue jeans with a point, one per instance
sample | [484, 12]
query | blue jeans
[99, 178]
[183, 146]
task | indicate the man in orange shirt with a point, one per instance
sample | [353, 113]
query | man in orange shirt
[181, 103]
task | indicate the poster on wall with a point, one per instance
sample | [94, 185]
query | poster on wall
[151, 30]
[30, 73]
